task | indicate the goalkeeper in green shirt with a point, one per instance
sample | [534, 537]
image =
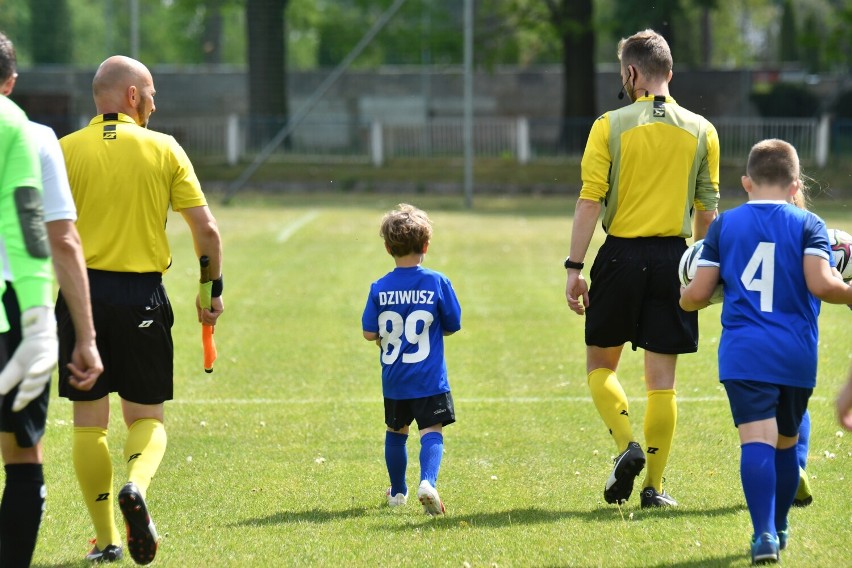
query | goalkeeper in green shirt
[30, 366]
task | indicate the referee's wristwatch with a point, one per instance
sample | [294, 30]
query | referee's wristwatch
[571, 264]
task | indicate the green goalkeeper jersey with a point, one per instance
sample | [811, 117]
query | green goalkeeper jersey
[21, 212]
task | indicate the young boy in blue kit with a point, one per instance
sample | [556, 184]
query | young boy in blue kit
[773, 259]
[408, 313]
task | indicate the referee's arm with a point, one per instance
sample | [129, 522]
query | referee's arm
[702, 223]
[208, 242]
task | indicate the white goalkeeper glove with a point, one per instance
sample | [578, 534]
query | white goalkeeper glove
[35, 358]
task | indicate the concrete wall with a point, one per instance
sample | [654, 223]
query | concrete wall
[61, 96]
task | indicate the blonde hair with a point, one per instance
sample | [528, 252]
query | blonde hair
[648, 51]
[406, 230]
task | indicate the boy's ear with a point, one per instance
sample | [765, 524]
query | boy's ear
[794, 187]
[747, 183]
[425, 247]
[387, 248]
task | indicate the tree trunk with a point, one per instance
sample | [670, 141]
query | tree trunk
[50, 28]
[573, 19]
[211, 35]
[706, 38]
[268, 109]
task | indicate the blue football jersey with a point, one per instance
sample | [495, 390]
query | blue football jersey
[411, 308]
[769, 317]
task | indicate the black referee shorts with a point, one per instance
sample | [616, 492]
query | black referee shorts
[28, 424]
[133, 321]
[634, 294]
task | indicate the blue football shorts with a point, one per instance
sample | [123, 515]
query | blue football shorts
[752, 401]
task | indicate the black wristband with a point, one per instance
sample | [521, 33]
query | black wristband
[571, 264]
[216, 291]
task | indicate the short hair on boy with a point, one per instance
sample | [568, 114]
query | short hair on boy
[773, 162]
[647, 50]
[406, 230]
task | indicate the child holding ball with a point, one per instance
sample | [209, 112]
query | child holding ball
[774, 262]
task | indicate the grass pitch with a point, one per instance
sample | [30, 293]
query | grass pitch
[276, 459]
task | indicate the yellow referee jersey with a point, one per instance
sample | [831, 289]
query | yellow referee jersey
[124, 178]
[651, 163]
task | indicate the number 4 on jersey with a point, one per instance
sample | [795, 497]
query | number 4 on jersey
[763, 259]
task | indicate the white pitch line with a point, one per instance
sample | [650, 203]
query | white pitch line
[506, 400]
[291, 229]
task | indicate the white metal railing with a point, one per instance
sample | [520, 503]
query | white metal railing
[227, 138]
[738, 135]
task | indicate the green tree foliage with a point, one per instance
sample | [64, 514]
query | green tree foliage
[51, 32]
[422, 31]
[718, 33]
[516, 32]
[15, 23]
[811, 40]
[661, 16]
[838, 47]
[788, 40]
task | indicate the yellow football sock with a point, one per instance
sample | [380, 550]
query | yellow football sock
[144, 450]
[660, 421]
[93, 466]
[611, 403]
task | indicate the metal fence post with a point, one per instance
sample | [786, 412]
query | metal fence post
[232, 139]
[823, 141]
[523, 134]
[376, 144]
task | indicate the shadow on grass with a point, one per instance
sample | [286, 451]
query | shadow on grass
[312, 516]
[720, 562]
[534, 515]
[528, 516]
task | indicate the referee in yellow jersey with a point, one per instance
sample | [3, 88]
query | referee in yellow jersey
[652, 168]
[124, 178]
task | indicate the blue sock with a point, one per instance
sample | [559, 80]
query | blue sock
[431, 452]
[396, 458]
[804, 440]
[786, 484]
[757, 471]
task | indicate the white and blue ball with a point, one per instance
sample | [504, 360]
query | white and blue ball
[841, 243]
[689, 264]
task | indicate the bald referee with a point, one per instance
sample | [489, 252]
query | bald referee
[124, 178]
[652, 167]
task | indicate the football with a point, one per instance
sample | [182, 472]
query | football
[688, 265]
[841, 243]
